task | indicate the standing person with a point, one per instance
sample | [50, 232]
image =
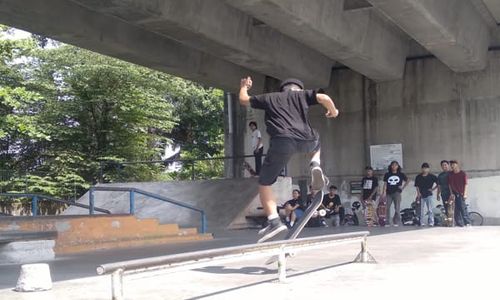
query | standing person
[288, 126]
[395, 181]
[369, 185]
[457, 181]
[444, 192]
[331, 202]
[426, 183]
[257, 146]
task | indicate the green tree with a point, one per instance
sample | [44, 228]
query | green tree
[65, 110]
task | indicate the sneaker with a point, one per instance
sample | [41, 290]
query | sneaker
[395, 225]
[387, 225]
[323, 223]
[318, 180]
[275, 226]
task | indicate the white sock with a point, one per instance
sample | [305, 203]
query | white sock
[315, 161]
[273, 216]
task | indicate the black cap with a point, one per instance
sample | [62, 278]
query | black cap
[291, 81]
[425, 165]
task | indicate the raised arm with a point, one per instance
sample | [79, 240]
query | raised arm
[327, 102]
[245, 85]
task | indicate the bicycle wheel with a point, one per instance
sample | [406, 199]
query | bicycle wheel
[475, 218]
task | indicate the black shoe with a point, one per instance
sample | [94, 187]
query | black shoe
[275, 226]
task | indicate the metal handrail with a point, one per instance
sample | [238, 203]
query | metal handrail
[132, 191]
[195, 259]
[35, 198]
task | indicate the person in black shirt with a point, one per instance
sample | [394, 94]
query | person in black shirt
[369, 184]
[293, 211]
[395, 181]
[288, 126]
[425, 184]
[332, 204]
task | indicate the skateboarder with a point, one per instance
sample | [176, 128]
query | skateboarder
[369, 184]
[425, 184]
[288, 126]
[444, 192]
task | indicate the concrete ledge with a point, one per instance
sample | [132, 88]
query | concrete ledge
[27, 252]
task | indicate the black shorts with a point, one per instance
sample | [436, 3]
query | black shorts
[280, 151]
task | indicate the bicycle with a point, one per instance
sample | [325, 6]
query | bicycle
[476, 219]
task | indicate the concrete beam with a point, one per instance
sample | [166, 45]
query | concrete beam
[71, 23]
[359, 39]
[213, 27]
[453, 30]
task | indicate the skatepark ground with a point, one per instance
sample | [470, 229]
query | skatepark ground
[433, 263]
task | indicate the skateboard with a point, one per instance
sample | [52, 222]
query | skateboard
[450, 216]
[418, 211]
[249, 169]
[382, 211]
[370, 213]
[295, 231]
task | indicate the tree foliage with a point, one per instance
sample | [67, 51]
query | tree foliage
[65, 110]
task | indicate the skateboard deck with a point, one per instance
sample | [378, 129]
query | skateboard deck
[450, 216]
[297, 228]
[370, 213]
[382, 211]
[418, 211]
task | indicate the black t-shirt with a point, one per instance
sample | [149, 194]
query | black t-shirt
[286, 113]
[425, 183]
[394, 181]
[292, 202]
[335, 200]
[443, 182]
[369, 184]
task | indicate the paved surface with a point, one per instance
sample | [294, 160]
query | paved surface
[436, 263]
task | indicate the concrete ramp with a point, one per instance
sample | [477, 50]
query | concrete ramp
[226, 202]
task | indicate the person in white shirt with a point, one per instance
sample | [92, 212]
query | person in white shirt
[257, 146]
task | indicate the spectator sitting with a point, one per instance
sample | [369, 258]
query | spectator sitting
[333, 206]
[293, 210]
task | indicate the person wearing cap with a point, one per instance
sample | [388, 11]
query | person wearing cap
[287, 124]
[426, 183]
[395, 181]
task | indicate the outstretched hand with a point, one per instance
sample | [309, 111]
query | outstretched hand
[246, 82]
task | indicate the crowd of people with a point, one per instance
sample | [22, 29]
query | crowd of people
[449, 186]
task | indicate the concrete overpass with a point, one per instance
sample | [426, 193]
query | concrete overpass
[421, 73]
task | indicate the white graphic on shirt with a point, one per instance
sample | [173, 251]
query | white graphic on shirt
[393, 180]
[368, 184]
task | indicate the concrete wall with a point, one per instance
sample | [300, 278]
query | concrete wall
[435, 113]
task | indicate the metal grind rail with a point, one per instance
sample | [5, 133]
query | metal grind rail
[192, 260]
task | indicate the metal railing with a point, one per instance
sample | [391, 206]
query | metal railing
[35, 198]
[189, 163]
[132, 191]
[191, 260]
